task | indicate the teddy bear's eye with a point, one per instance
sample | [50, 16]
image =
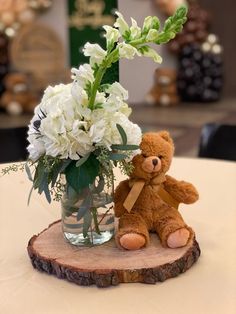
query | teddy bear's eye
[144, 155]
[160, 156]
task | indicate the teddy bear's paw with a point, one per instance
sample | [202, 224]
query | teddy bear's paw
[132, 241]
[178, 238]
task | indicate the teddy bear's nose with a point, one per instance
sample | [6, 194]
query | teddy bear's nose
[154, 162]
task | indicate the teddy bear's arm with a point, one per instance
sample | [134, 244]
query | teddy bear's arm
[182, 191]
[120, 195]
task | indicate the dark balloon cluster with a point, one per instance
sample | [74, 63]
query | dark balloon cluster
[195, 29]
[200, 75]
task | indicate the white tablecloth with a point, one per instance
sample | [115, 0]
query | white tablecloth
[208, 287]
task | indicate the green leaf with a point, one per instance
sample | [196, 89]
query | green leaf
[72, 196]
[43, 187]
[100, 186]
[64, 165]
[98, 105]
[95, 219]
[47, 193]
[87, 223]
[27, 169]
[104, 87]
[82, 160]
[38, 173]
[84, 207]
[122, 134]
[80, 177]
[30, 194]
[114, 156]
[124, 147]
[56, 170]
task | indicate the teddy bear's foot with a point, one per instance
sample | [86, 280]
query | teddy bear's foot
[178, 238]
[132, 241]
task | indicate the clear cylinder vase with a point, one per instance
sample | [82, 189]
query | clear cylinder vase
[88, 216]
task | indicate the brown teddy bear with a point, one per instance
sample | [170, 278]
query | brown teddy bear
[149, 199]
[17, 98]
[164, 92]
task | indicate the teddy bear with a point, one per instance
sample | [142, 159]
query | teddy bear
[164, 91]
[17, 98]
[148, 201]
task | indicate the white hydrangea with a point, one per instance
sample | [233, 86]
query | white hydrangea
[64, 127]
[105, 124]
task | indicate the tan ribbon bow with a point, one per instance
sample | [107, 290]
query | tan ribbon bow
[137, 185]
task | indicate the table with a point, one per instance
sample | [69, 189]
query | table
[208, 287]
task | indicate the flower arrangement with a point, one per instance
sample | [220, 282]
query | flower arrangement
[82, 130]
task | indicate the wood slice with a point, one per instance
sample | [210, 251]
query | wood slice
[107, 265]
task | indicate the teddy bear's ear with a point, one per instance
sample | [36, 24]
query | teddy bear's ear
[166, 136]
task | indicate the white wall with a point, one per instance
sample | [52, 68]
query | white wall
[56, 17]
[136, 75]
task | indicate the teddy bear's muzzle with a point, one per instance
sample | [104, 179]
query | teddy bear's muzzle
[151, 164]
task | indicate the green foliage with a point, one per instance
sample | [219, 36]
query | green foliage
[85, 206]
[80, 177]
[104, 87]
[82, 160]
[173, 25]
[13, 168]
[124, 147]
[122, 134]
[116, 156]
[87, 222]
[95, 219]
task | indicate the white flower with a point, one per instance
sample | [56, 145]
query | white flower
[112, 34]
[125, 109]
[95, 52]
[151, 53]
[127, 51]
[147, 24]
[121, 24]
[79, 94]
[150, 22]
[105, 124]
[100, 98]
[113, 104]
[152, 35]
[83, 75]
[97, 131]
[36, 147]
[135, 30]
[59, 127]
[117, 90]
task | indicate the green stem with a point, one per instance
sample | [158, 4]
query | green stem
[110, 58]
[101, 71]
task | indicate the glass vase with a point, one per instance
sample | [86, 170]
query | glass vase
[88, 216]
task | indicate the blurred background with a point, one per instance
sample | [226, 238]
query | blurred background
[192, 94]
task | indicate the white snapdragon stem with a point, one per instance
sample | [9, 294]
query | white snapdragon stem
[110, 58]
